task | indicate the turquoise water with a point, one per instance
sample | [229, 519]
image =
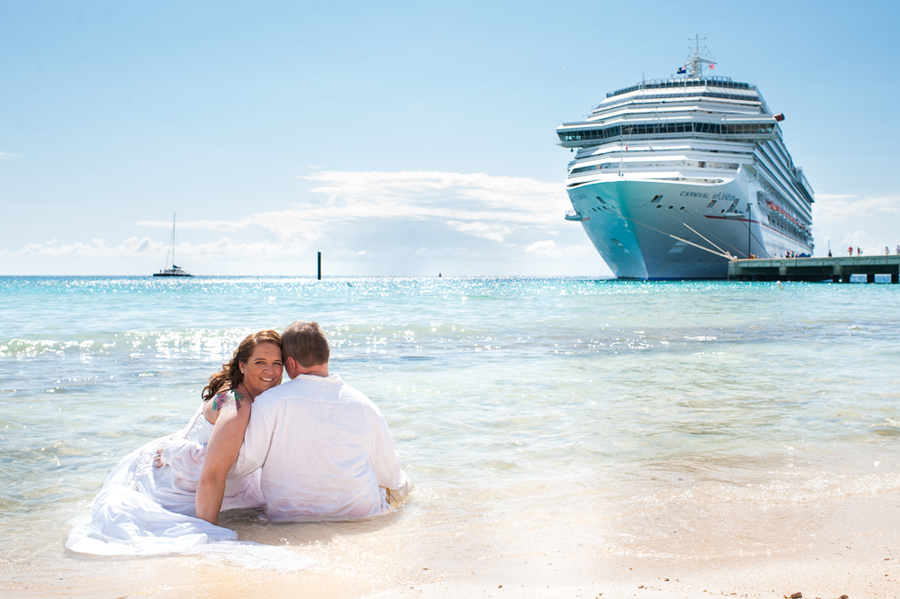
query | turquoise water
[615, 398]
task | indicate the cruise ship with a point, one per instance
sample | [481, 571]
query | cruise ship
[673, 178]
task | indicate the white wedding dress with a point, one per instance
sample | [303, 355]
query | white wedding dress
[144, 509]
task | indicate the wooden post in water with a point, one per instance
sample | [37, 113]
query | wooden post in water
[320, 266]
[749, 233]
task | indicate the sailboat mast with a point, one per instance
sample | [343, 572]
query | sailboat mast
[172, 269]
[173, 240]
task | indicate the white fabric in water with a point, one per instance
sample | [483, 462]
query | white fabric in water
[144, 510]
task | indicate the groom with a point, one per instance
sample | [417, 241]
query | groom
[325, 449]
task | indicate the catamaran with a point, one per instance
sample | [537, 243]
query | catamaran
[174, 271]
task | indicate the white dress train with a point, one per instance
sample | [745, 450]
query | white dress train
[143, 509]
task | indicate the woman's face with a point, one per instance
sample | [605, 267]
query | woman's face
[263, 370]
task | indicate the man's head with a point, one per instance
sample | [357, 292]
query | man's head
[305, 349]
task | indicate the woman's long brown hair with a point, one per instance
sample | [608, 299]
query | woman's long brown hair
[231, 376]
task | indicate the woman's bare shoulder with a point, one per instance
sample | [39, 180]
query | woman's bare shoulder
[231, 402]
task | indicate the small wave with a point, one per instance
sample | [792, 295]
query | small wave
[37, 347]
[255, 556]
[886, 430]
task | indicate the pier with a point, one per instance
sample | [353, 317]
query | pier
[836, 269]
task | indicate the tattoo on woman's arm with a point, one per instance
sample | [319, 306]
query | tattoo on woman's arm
[225, 398]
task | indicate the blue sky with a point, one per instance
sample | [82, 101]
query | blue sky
[397, 138]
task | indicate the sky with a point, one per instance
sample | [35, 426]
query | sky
[396, 138]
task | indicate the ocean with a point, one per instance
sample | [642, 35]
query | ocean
[590, 420]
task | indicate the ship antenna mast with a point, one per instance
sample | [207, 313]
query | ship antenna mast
[696, 61]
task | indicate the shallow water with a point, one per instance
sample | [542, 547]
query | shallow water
[617, 412]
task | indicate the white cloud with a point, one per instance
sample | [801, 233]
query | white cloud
[95, 248]
[7, 156]
[546, 247]
[839, 207]
[388, 208]
[843, 220]
[491, 231]
[428, 194]
[406, 222]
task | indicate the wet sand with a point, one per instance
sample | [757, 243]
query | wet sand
[822, 548]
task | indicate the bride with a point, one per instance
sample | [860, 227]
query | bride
[146, 505]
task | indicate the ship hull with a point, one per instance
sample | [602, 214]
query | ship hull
[660, 230]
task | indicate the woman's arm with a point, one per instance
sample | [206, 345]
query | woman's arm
[223, 449]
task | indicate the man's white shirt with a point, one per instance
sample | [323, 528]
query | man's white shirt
[325, 450]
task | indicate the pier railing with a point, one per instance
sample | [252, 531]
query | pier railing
[837, 269]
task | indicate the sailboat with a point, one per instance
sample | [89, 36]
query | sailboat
[175, 271]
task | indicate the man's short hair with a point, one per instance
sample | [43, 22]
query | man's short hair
[306, 343]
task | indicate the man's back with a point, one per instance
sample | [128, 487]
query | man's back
[325, 450]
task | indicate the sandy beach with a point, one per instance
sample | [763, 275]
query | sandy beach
[822, 549]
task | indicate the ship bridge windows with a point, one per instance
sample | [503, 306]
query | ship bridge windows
[590, 134]
[683, 97]
[584, 169]
[656, 128]
[706, 82]
[601, 133]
